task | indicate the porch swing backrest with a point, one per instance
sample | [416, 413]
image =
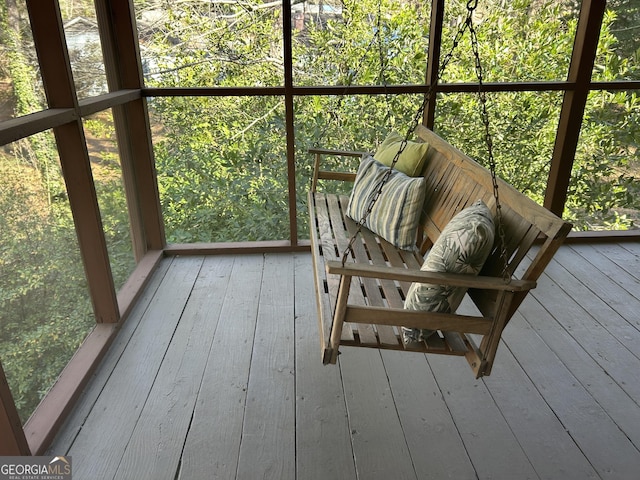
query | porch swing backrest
[455, 180]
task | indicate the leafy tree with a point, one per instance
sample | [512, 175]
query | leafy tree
[624, 18]
[44, 303]
[370, 42]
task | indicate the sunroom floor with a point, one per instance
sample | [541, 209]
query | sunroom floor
[217, 374]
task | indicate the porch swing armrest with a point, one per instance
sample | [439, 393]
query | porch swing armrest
[319, 174]
[404, 275]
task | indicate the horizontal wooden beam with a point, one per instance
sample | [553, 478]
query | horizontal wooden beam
[21, 127]
[603, 236]
[338, 153]
[401, 274]
[284, 246]
[27, 125]
[417, 319]
[91, 105]
[353, 89]
[616, 85]
[274, 246]
[341, 176]
[213, 92]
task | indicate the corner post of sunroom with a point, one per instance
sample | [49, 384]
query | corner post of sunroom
[574, 103]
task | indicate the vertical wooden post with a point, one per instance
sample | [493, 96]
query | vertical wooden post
[573, 105]
[119, 39]
[289, 121]
[433, 60]
[12, 439]
[338, 317]
[316, 170]
[55, 68]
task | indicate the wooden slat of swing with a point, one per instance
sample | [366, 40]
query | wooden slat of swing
[329, 250]
[373, 290]
[411, 260]
[387, 291]
[367, 292]
[365, 333]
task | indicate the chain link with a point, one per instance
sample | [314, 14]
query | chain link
[491, 160]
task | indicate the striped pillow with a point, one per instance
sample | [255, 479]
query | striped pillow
[396, 213]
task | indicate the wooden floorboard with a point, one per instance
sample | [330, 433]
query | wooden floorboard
[597, 436]
[323, 437]
[532, 420]
[155, 446]
[626, 256]
[592, 330]
[436, 447]
[557, 342]
[267, 449]
[379, 446]
[217, 374]
[213, 442]
[492, 446]
[106, 432]
[90, 395]
[614, 286]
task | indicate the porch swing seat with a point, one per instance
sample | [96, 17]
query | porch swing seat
[361, 302]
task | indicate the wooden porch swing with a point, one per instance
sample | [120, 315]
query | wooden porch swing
[362, 280]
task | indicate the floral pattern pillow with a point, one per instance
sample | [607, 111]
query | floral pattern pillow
[462, 247]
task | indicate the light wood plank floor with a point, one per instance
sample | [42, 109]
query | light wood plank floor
[217, 374]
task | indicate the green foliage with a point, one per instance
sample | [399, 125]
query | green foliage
[45, 308]
[623, 18]
[107, 175]
[223, 181]
[21, 72]
[605, 187]
[604, 183]
[364, 47]
[222, 162]
[208, 169]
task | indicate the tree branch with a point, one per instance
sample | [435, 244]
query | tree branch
[257, 120]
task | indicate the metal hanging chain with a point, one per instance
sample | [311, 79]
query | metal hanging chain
[489, 143]
[471, 6]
